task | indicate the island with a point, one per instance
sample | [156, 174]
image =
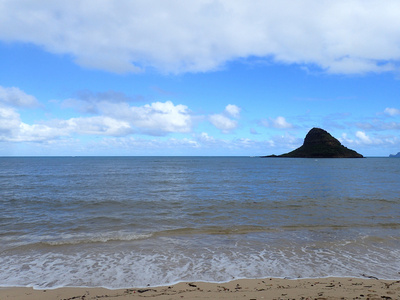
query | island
[318, 143]
[395, 155]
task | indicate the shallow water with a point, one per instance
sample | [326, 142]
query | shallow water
[132, 221]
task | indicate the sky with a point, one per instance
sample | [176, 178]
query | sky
[199, 77]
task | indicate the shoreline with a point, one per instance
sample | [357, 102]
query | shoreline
[327, 288]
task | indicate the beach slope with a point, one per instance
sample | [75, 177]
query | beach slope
[269, 288]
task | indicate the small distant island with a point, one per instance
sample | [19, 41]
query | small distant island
[395, 155]
[318, 143]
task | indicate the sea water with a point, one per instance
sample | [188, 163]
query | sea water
[121, 222]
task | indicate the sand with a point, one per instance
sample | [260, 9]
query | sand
[269, 288]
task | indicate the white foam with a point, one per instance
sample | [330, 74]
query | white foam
[116, 266]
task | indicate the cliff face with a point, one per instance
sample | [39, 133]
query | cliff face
[318, 143]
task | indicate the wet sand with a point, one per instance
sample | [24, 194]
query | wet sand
[269, 288]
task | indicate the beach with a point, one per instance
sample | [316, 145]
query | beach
[268, 288]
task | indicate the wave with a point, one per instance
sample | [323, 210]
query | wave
[71, 239]
[214, 230]
[96, 238]
[123, 236]
[164, 264]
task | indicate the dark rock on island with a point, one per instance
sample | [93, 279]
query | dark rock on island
[318, 143]
[395, 155]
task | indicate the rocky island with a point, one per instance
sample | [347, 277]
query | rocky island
[395, 155]
[318, 143]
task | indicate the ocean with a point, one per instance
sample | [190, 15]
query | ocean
[121, 222]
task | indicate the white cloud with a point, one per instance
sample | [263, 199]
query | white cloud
[392, 111]
[9, 121]
[363, 138]
[205, 138]
[237, 145]
[98, 125]
[159, 118]
[279, 123]
[381, 142]
[233, 110]
[114, 117]
[343, 36]
[12, 129]
[346, 139]
[223, 123]
[146, 146]
[15, 97]
[202, 143]
[38, 133]
[286, 142]
[379, 125]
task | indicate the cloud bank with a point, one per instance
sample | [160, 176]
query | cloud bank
[342, 37]
[112, 117]
[110, 121]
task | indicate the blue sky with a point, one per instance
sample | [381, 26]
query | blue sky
[201, 77]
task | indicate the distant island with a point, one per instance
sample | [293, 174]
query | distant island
[395, 155]
[318, 143]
